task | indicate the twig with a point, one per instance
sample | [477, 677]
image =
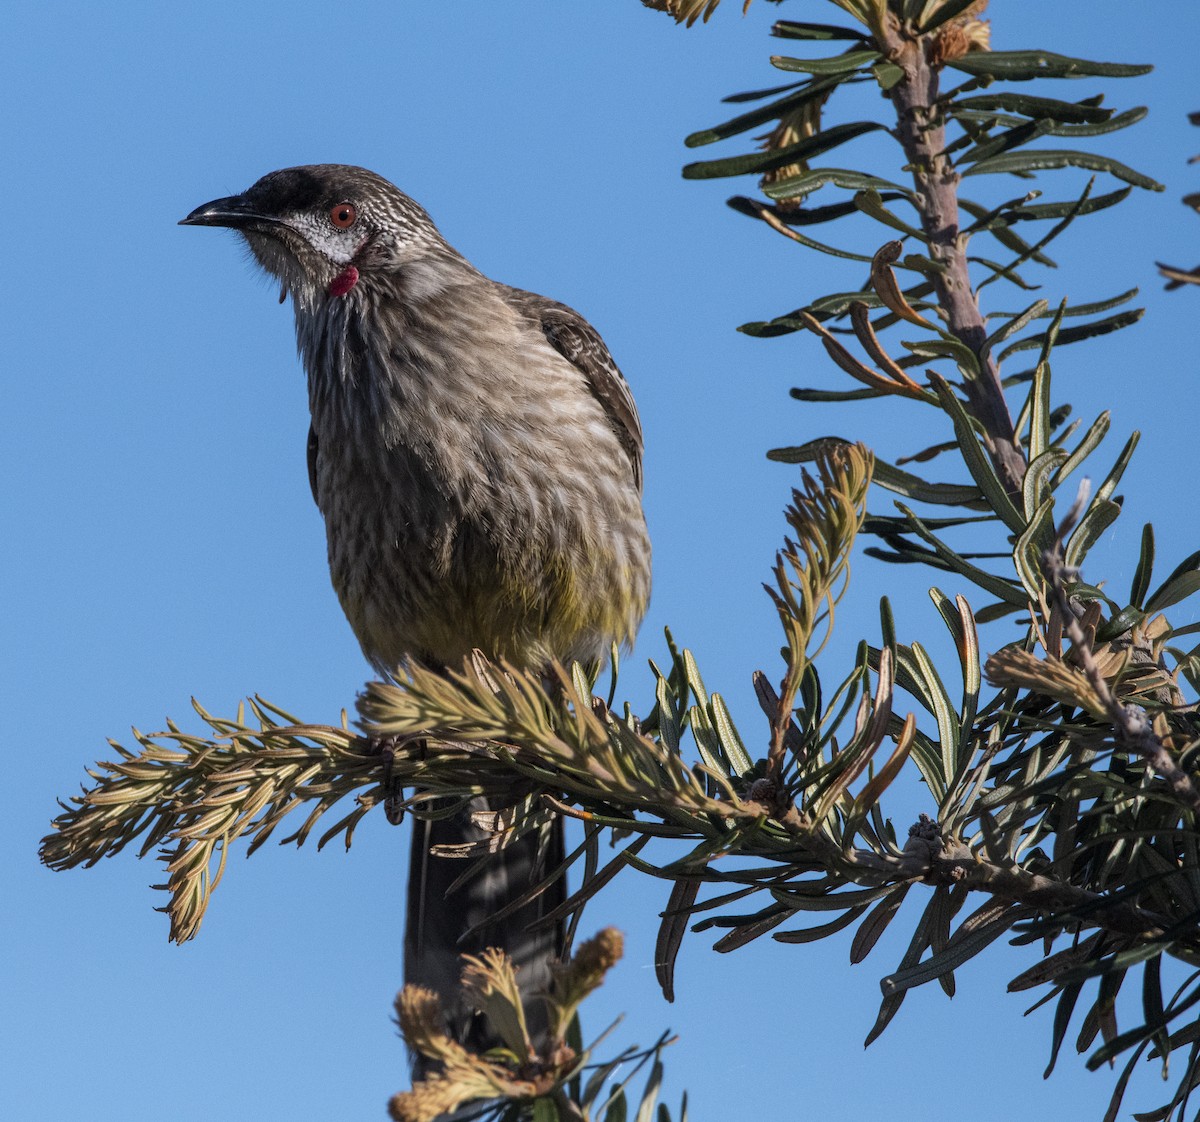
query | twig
[922, 134]
[1130, 721]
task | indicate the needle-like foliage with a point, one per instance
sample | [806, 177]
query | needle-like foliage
[1058, 751]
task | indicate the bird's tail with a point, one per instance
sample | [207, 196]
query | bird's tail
[446, 920]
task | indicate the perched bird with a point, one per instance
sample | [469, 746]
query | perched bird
[477, 457]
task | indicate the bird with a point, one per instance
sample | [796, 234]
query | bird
[476, 455]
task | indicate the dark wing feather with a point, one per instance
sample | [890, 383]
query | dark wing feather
[580, 344]
[312, 463]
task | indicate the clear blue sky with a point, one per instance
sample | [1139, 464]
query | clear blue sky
[161, 541]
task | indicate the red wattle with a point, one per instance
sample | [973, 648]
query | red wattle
[344, 281]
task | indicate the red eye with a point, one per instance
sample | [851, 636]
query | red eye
[343, 216]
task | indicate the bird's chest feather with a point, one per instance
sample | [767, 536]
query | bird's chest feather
[440, 475]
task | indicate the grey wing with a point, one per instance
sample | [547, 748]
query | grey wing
[580, 344]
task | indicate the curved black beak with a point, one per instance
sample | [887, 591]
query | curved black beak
[234, 212]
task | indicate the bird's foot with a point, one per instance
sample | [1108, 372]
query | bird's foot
[393, 803]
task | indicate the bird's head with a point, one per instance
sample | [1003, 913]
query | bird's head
[320, 228]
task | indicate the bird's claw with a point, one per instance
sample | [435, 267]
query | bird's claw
[393, 803]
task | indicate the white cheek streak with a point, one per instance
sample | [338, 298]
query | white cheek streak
[324, 238]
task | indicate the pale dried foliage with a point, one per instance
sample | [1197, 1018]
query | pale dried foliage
[518, 1074]
[1050, 677]
[463, 1076]
[802, 123]
[688, 11]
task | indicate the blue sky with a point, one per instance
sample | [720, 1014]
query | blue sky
[162, 543]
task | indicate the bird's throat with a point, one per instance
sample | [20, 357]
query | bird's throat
[344, 281]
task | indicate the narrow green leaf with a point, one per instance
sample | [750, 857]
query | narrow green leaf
[989, 613]
[915, 488]
[1042, 159]
[823, 247]
[1036, 485]
[1114, 1103]
[959, 621]
[999, 587]
[1030, 545]
[1152, 999]
[1020, 66]
[675, 918]
[950, 348]
[1006, 272]
[668, 727]
[973, 455]
[618, 1111]
[1118, 469]
[1037, 212]
[1015, 324]
[1062, 1021]
[1192, 561]
[1086, 112]
[771, 160]
[1111, 123]
[918, 263]
[788, 29]
[960, 949]
[887, 624]
[758, 95]
[833, 395]
[799, 216]
[707, 742]
[1145, 567]
[876, 924]
[871, 204]
[694, 681]
[1067, 335]
[986, 216]
[1173, 591]
[773, 328]
[838, 64]
[1049, 341]
[834, 306]
[1120, 121]
[809, 452]
[1101, 514]
[735, 750]
[829, 901]
[1039, 415]
[987, 121]
[887, 74]
[1118, 1044]
[1089, 309]
[977, 124]
[798, 186]
[810, 934]
[765, 161]
[891, 1002]
[810, 91]
[926, 753]
[945, 715]
[1007, 141]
